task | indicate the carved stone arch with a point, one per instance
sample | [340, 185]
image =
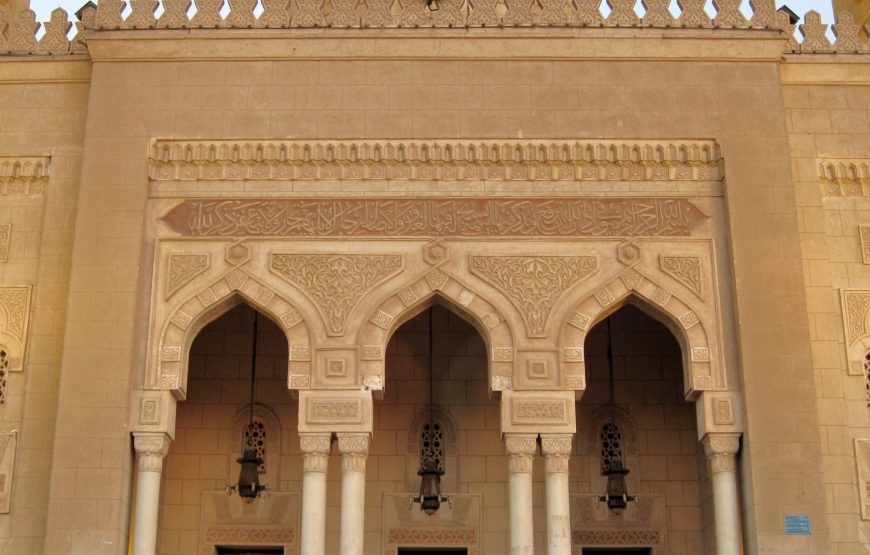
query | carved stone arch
[436, 286]
[450, 480]
[628, 429]
[170, 347]
[272, 425]
[702, 370]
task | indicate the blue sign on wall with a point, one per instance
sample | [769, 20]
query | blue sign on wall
[797, 525]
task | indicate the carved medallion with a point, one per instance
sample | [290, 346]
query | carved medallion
[534, 283]
[336, 282]
[468, 217]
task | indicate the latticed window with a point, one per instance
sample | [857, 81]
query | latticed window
[255, 438]
[867, 376]
[611, 444]
[432, 443]
[4, 374]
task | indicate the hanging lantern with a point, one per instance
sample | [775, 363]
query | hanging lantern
[430, 497]
[616, 495]
[249, 476]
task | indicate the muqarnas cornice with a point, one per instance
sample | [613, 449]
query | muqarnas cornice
[23, 175]
[614, 160]
[844, 177]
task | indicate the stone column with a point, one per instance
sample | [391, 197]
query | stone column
[720, 449]
[556, 449]
[315, 451]
[520, 450]
[151, 447]
[354, 448]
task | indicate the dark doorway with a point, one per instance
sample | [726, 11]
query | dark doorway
[618, 551]
[431, 551]
[250, 551]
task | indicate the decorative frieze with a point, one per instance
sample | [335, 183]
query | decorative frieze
[336, 282]
[457, 217]
[533, 411]
[226, 520]
[23, 175]
[334, 411]
[533, 283]
[840, 177]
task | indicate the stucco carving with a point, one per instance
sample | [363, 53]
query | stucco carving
[183, 268]
[721, 450]
[520, 450]
[855, 305]
[5, 237]
[845, 177]
[23, 175]
[862, 461]
[533, 283]
[864, 237]
[468, 217]
[8, 446]
[336, 282]
[151, 449]
[227, 520]
[556, 449]
[458, 524]
[14, 321]
[686, 270]
[640, 524]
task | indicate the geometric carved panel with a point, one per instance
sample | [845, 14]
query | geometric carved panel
[862, 459]
[457, 524]
[227, 520]
[8, 442]
[641, 524]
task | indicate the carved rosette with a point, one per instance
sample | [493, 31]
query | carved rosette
[151, 448]
[315, 450]
[721, 450]
[336, 282]
[533, 283]
[557, 450]
[520, 450]
[354, 449]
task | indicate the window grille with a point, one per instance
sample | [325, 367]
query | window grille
[432, 444]
[867, 376]
[255, 438]
[611, 444]
[4, 374]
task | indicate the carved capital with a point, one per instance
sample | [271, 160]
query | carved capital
[151, 448]
[315, 451]
[721, 450]
[557, 450]
[354, 450]
[520, 450]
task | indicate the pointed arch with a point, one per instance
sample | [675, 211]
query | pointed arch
[170, 348]
[702, 370]
[468, 303]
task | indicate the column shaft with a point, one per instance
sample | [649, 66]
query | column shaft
[557, 449]
[151, 448]
[520, 449]
[721, 450]
[354, 448]
[315, 450]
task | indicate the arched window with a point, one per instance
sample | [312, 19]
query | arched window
[611, 444]
[432, 443]
[255, 438]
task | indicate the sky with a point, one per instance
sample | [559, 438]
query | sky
[43, 8]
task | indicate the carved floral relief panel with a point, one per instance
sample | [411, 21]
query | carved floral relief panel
[14, 324]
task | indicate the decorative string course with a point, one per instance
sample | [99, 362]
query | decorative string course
[18, 33]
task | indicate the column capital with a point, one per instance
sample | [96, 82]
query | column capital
[315, 451]
[721, 449]
[151, 447]
[556, 449]
[354, 449]
[520, 450]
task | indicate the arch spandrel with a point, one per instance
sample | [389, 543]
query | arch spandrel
[411, 299]
[701, 350]
[181, 323]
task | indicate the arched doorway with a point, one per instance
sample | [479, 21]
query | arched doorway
[634, 411]
[213, 425]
